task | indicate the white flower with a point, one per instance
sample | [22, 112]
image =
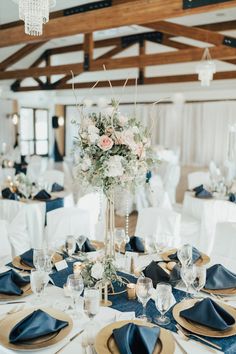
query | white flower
[97, 270]
[86, 122]
[123, 120]
[93, 133]
[86, 164]
[114, 166]
[135, 130]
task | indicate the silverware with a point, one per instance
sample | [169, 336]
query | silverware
[187, 333]
[12, 302]
[71, 339]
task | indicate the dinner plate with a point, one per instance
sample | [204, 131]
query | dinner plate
[230, 291]
[202, 261]
[26, 291]
[197, 328]
[105, 343]
[10, 321]
[19, 264]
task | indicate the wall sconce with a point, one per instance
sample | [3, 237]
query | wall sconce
[61, 121]
[15, 118]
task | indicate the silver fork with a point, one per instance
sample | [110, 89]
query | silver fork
[187, 334]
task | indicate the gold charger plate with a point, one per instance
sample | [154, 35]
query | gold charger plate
[96, 244]
[26, 291]
[105, 343]
[18, 263]
[197, 328]
[230, 291]
[10, 321]
[202, 261]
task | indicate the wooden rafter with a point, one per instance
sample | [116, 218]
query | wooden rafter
[142, 11]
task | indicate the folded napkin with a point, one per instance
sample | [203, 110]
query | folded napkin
[87, 247]
[135, 244]
[42, 195]
[208, 313]
[196, 255]
[158, 274]
[11, 283]
[27, 258]
[232, 197]
[35, 325]
[201, 192]
[219, 277]
[133, 339]
[57, 187]
[8, 194]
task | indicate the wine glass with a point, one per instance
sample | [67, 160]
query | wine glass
[163, 302]
[70, 246]
[188, 275]
[80, 241]
[38, 282]
[185, 254]
[91, 302]
[39, 258]
[159, 242]
[199, 278]
[144, 288]
[75, 285]
[119, 237]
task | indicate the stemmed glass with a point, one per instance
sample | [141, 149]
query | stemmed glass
[144, 288]
[38, 282]
[185, 254]
[80, 242]
[188, 275]
[39, 258]
[119, 237]
[159, 242]
[91, 302]
[75, 286]
[70, 245]
[199, 278]
[163, 302]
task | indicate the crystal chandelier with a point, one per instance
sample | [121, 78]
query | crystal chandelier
[206, 68]
[34, 13]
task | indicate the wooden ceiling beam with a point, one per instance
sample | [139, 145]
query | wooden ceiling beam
[220, 26]
[142, 11]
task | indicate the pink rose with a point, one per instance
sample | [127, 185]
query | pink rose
[105, 143]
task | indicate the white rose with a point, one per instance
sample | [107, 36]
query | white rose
[127, 138]
[86, 164]
[122, 120]
[97, 271]
[93, 138]
[114, 166]
[92, 129]
[135, 130]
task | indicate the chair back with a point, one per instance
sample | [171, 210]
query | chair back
[5, 249]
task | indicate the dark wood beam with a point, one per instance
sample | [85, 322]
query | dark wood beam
[140, 12]
[220, 26]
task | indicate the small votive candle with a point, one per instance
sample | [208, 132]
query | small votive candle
[131, 291]
[77, 267]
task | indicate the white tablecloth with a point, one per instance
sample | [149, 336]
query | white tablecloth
[209, 212]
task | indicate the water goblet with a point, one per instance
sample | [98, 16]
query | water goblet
[188, 275]
[199, 278]
[91, 302]
[144, 288]
[38, 282]
[163, 302]
[185, 254]
[70, 246]
[119, 238]
[75, 286]
[39, 258]
[80, 242]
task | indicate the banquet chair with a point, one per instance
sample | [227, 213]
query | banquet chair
[67, 221]
[5, 249]
[35, 168]
[158, 221]
[14, 213]
[197, 178]
[158, 197]
[53, 176]
[171, 181]
[224, 245]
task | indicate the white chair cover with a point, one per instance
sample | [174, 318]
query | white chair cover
[158, 197]
[5, 249]
[171, 181]
[53, 176]
[197, 178]
[224, 246]
[35, 168]
[67, 221]
[157, 221]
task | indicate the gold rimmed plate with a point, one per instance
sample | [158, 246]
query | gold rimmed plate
[105, 343]
[19, 264]
[230, 291]
[202, 261]
[26, 291]
[10, 321]
[197, 328]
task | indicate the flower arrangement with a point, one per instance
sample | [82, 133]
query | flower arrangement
[113, 150]
[102, 270]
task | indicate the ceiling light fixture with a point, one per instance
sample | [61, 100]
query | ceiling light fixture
[206, 68]
[34, 13]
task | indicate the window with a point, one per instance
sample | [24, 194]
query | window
[34, 131]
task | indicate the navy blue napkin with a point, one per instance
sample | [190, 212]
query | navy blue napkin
[87, 247]
[35, 325]
[57, 187]
[208, 313]
[133, 339]
[27, 258]
[158, 274]
[232, 197]
[42, 195]
[8, 194]
[219, 277]
[11, 283]
[135, 244]
[196, 255]
[201, 192]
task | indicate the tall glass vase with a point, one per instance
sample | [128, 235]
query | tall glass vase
[110, 225]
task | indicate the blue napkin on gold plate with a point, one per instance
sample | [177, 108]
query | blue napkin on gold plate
[134, 339]
[27, 258]
[57, 187]
[35, 325]
[135, 244]
[219, 277]
[11, 283]
[208, 313]
[8, 194]
[201, 192]
[42, 195]
[196, 255]
[158, 274]
[87, 247]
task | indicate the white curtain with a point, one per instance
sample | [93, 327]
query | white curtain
[6, 127]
